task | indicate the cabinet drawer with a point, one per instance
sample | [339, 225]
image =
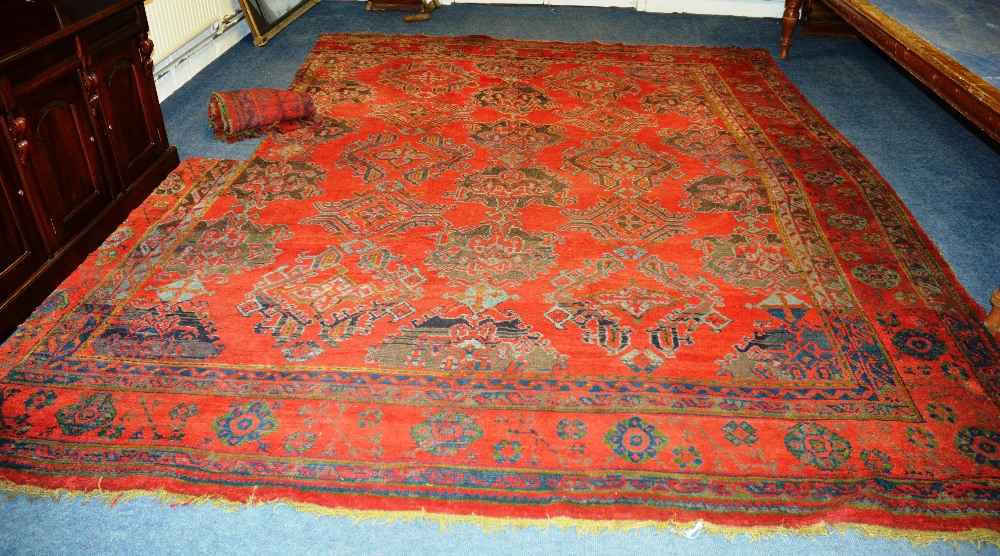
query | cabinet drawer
[111, 32]
[35, 72]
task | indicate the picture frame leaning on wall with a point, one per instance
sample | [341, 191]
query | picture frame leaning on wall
[267, 17]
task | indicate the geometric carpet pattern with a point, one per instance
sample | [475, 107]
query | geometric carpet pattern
[524, 280]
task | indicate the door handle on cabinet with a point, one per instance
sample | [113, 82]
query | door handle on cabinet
[90, 85]
[18, 128]
[145, 52]
[89, 80]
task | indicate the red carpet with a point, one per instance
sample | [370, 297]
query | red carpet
[524, 280]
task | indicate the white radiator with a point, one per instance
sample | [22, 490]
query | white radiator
[172, 23]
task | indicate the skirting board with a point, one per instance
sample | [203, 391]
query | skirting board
[190, 62]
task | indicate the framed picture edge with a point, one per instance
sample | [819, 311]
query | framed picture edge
[261, 31]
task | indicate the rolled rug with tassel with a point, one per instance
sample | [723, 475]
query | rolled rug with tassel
[245, 113]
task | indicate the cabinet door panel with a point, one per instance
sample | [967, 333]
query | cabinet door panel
[130, 106]
[21, 251]
[63, 155]
[134, 132]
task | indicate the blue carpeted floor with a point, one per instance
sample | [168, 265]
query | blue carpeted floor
[947, 176]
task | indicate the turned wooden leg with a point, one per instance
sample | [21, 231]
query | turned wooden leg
[788, 22]
[993, 318]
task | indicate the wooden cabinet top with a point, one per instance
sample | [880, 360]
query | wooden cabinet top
[26, 25]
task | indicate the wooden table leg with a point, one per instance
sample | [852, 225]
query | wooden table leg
[788, 22]
[993, 318]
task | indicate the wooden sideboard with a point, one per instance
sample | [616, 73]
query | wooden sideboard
[82, 140]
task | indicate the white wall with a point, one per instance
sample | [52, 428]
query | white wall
[746, 8]
[177, 69]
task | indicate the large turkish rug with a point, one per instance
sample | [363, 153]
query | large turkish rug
[524, 282]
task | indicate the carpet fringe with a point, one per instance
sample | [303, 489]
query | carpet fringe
[584, 527]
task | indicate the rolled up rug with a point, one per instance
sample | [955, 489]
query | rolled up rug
[236, 115]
